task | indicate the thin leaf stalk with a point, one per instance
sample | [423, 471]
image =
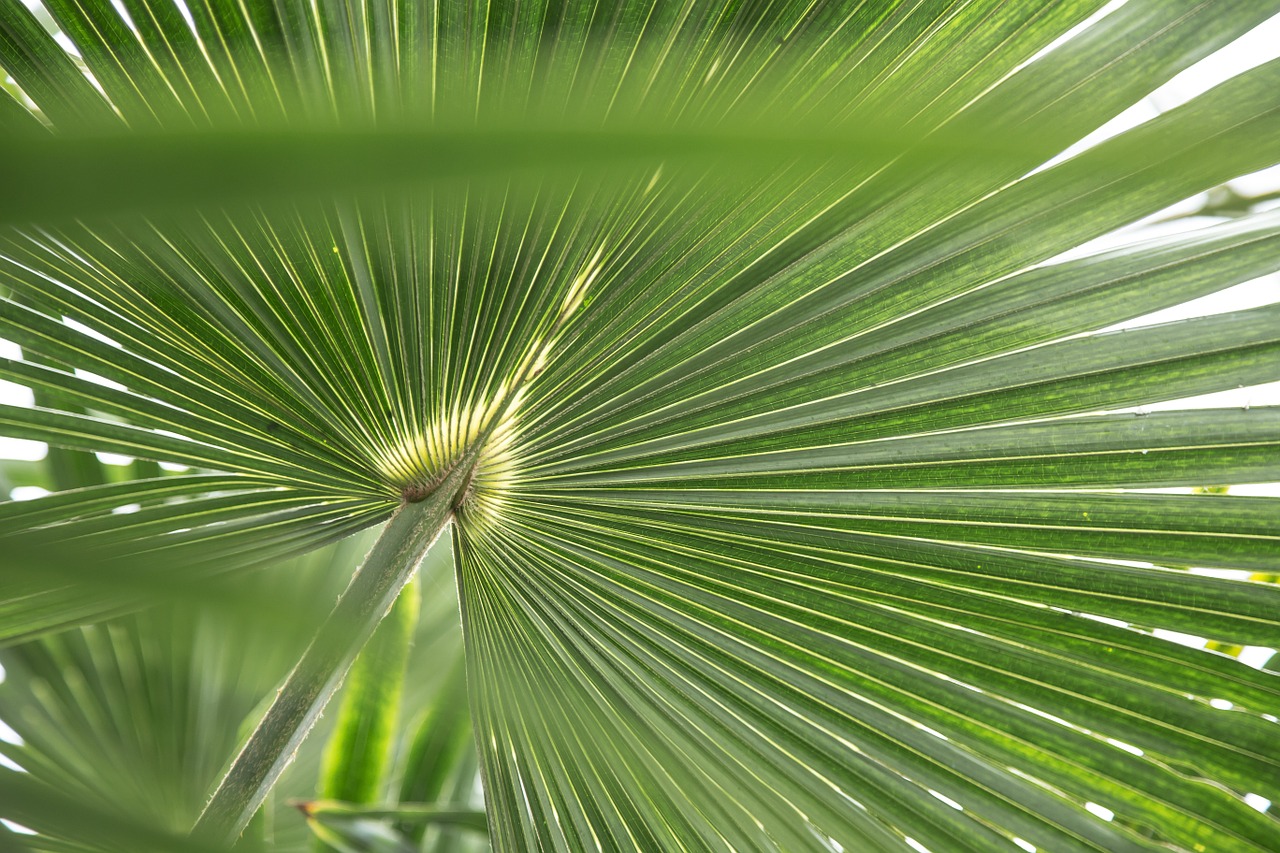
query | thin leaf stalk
[385, 571]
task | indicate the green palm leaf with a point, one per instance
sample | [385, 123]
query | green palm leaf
[794, 501]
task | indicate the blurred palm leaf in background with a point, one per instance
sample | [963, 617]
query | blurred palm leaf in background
[790, 494]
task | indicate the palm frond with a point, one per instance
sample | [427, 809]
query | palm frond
[796, 502]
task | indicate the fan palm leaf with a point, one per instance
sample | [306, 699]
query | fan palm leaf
[795, 496]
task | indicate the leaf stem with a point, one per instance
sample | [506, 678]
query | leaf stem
[373, 589]
[414, 813]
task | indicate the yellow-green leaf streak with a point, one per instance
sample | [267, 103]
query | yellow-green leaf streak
[359, 750]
